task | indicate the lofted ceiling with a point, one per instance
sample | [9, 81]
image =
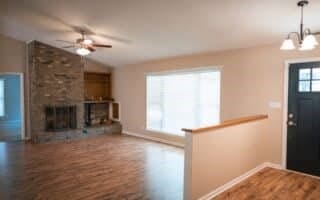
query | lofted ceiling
[143, 30]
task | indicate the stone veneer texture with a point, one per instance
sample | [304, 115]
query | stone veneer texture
[56, 78]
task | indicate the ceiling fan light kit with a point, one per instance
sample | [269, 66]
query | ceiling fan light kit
[82, 51]
[87, 41]
[306, 39]
[84, 46]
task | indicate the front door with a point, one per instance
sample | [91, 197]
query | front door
[303, 138]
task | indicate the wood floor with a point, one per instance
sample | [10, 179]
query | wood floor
[103, 167]
[274, 184]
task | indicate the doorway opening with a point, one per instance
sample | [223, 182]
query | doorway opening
[11, 107]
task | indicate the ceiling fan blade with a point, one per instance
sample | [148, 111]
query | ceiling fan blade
[114, 38]
[70, 46]
[83, 29]
[91, 48]
[65, 41]
[88, 31]
[102, 45]
[79, 40]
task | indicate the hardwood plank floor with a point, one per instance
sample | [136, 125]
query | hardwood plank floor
[274, 184]
[103, 167]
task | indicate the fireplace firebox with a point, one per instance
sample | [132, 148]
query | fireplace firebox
[60, 118]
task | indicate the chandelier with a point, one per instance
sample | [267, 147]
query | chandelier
[306, 39]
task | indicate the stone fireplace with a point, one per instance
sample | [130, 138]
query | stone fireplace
[57, 99]
[56, 80]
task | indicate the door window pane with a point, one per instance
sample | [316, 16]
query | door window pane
[304, 74]
[2, 103]
[304, 86]
[315, 86]
[316, 73]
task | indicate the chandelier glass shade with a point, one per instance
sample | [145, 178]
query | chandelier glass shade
[287, 44]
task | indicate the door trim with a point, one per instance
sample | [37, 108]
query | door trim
[20, 74]
[287, 64]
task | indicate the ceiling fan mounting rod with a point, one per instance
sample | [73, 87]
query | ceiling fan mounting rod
[82, 34]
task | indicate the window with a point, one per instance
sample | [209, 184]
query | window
[309, 80]
[183, 100]
[2, 103]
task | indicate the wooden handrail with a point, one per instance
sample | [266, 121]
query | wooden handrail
[227, 123]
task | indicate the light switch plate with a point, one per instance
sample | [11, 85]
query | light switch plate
[274, 104]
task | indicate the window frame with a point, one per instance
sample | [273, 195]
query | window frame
[172, 72]
[4, 98]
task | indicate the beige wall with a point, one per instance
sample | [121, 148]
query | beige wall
[92, 66]
[12, 56]
[218, 156]
[250, 79]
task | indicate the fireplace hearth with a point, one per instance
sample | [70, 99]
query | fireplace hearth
[61, 118]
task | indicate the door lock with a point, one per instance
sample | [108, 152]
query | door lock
[291, 123]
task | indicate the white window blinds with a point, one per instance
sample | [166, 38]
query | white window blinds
[182, 100]
[2, 103]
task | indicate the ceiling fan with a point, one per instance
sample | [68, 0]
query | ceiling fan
[83, 45]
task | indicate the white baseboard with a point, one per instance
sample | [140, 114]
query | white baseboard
[239, 179]
[273, 165]
[153, 138]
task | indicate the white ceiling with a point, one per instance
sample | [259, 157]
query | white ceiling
[142, 30]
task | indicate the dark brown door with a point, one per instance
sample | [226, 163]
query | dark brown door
[303, 140]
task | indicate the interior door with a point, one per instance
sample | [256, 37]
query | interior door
[303, 138]
[10, 107]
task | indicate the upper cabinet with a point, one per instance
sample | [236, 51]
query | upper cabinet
[97, 86]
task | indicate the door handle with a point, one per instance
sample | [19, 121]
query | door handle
[291, 123]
